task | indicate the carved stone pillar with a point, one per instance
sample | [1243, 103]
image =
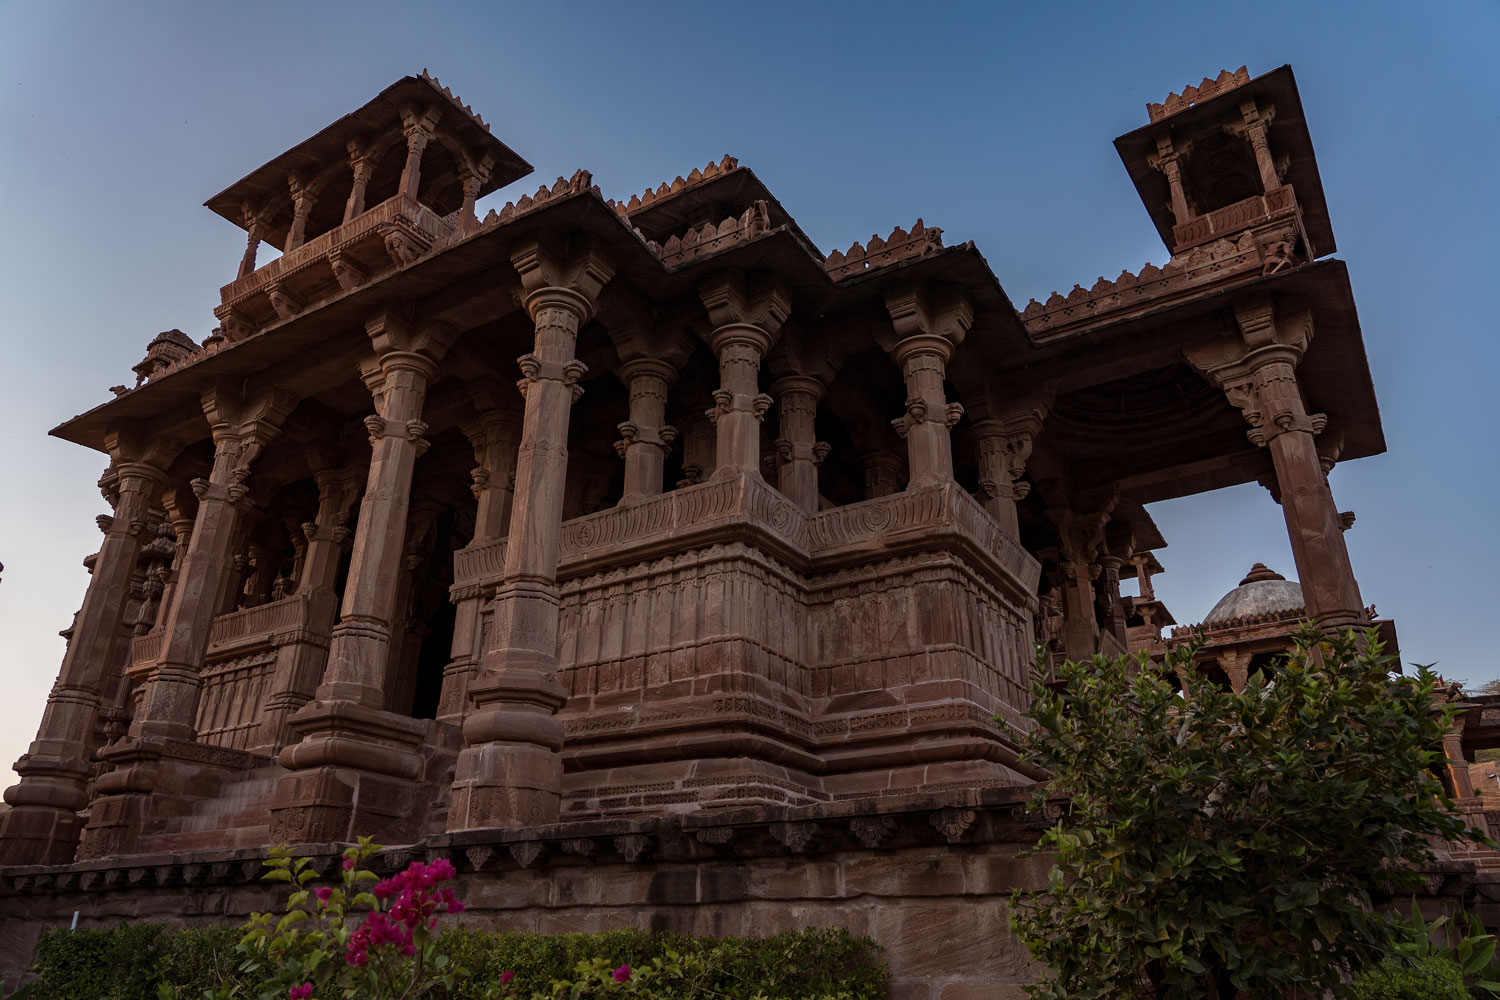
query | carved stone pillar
[265, 563]
[1169, 162]
[798, 449]
[399, 380]
[882, 474]
[304, 197]
[746, 321]
[510, 771]
[1080, 537]
[1259, 375]
[698, 459]
[494, 435]
[646, 438]
[1256, 127]
[928, 324]
[1003, 446]
[1110, 603]
[417, 124]
[362, 166]
[1142, 562]
[172, 501]
[299, 664]
[473, 177]
[241, 429]
[253, 237]
[353, 766]
[42, 826]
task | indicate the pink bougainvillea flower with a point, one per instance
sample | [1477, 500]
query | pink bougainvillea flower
[348, 864]
[300, 992]
[506, 977]
[323, 892]
[622, 974]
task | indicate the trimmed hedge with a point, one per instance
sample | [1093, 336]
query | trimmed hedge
[1433, 978]
[130, 962]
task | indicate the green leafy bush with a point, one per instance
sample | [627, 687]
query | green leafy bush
[1218, 841]
[1429, 979]
[131, 962]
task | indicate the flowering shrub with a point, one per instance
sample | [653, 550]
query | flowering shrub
[391, 955]
[310, 957]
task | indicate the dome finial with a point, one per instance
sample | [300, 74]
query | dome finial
[1260, 571]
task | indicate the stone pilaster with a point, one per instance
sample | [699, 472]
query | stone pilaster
[646, 438]
[799, 450]
[42, 826]
[510, 771]
[928, 324]
[1258, 373]
[747, 316]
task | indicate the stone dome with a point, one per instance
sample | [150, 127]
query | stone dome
[1263, 591]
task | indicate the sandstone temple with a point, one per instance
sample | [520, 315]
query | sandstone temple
[652, 565]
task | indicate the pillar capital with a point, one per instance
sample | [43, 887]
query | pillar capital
[737, 300]
[558, 277]
[926, 318]
[647, 368]
[799, 385]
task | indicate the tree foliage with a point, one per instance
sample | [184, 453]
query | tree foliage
[1222, 844]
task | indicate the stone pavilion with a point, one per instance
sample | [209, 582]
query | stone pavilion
[646, 561]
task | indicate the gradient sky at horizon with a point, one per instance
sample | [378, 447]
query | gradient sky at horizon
[991, 120]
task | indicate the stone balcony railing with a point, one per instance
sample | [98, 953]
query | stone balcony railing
[1233, 219]
[394, 233]
[236, 632]
[747, 506]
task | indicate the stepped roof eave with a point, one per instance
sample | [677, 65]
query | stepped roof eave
[153, 402]
[1288, 135]
[1335, 370]
[710, 200]
[329, 146]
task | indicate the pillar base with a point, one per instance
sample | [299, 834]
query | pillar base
[355, 773]
[39, 835]
[505, 786]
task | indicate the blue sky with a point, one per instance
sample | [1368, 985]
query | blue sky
[990, 120]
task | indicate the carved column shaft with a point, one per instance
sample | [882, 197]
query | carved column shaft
[739, 405]
[510, 774]
[1256, 128]
[929, 415]
[646, 438]
[169, 705]
[1113, 604]
[1172, 167]
[362, 167]
[304, 197]
[798, 448]
[360, 650]
[417, 125]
